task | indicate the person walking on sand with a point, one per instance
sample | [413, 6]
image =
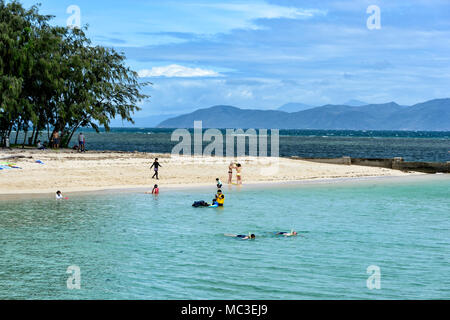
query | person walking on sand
[239, 173]
[230, 173]
[155, 167]
[81, 142]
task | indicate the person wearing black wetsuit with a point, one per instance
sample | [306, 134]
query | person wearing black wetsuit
[155, 167]
[241, 236]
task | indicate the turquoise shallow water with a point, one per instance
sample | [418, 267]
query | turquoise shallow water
[133, 246]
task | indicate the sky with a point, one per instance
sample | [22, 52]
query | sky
[262, 54]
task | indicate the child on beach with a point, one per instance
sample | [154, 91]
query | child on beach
[155, 190]
[219, 183]
[59, 195]
[155, 167]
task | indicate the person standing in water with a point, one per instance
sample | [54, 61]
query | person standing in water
[239, 173]
[59, 195]
[155, 167]
[155, 190]
[219, 198]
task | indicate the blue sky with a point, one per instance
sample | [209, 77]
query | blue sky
[263, 54]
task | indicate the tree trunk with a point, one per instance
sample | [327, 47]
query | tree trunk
[17, 133]
[32, 134]
[10, 129]
[24, 138]
[72, 133]
[36, 137]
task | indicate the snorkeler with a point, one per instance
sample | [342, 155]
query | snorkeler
[286, 234]
[241, 236]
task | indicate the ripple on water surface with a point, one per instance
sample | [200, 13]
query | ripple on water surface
[133, 246]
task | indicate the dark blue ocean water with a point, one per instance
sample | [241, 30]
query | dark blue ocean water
[411, 145]
[431, 146]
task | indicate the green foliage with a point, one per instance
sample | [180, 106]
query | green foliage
[52, 77]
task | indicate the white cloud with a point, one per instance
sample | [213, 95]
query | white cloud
[265, 10]
[243, 15]
[177, 71]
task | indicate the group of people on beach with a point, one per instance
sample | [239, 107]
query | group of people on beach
[238, 168]
[233, 166]
[55, 142]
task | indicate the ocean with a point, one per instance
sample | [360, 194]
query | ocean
[412, 146]
[136, 246]
[433, 146]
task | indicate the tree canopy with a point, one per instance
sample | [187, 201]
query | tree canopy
[52, 78]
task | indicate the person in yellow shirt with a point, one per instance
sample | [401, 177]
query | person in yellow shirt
[219, 199]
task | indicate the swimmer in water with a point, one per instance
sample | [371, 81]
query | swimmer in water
[59, 195]
[241, 236]
[155, 190]
[286, 234]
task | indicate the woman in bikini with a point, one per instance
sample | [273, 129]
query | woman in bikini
[230, 173]
[239, 173]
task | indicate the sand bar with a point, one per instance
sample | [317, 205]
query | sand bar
[70, 171]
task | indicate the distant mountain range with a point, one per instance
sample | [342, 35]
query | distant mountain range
[433, 115]
[297, 106]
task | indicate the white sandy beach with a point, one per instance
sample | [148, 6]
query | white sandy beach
[70, 171]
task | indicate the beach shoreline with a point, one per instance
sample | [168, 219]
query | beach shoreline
[344, 182]
[115, 171]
